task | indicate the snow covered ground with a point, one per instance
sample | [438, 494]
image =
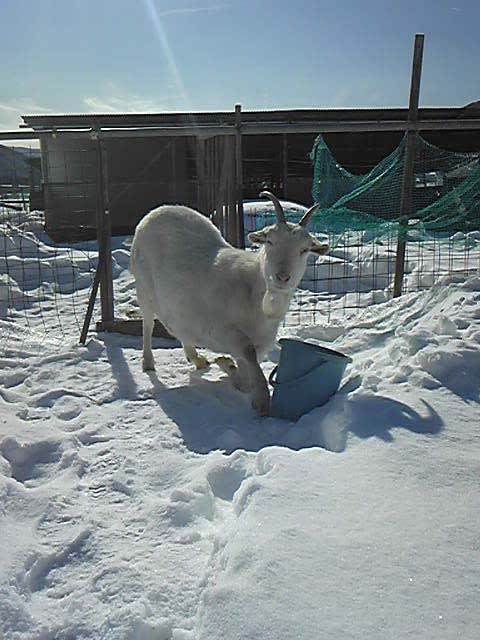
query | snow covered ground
[158, 506]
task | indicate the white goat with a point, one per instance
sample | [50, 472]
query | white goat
[212, 295]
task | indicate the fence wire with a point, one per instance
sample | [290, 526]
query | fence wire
[359, 269]
[45, 284]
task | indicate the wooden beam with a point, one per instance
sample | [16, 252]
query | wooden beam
[133, 328]
[261, 128]
[20, 135]
[320, 126]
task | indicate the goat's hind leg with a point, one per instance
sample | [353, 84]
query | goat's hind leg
[192, 356]
[237, 373]
[148, 362]
[148, 321]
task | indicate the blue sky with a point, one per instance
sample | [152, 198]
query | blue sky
[81, 56]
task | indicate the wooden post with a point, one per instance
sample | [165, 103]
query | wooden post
[104, 235]
[239, 177]
[232, 189]
[173, 178]
[201, 183]
[285, 165]
[210, 172]
[103, 274]
[408, 170]
[91, 302]
[219, 192]
[229, 191]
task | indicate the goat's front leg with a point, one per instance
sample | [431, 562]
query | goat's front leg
[260, 393]
[243, 350]
[192, 356]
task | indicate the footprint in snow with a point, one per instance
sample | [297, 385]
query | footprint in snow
[226, 477]
[35, 463]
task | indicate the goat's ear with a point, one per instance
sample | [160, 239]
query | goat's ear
[318, 247]
[258, 237]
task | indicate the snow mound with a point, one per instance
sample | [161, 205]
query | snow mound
[140, 506]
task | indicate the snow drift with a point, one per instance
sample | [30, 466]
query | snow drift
[158, 506]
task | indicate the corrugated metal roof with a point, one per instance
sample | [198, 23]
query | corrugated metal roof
[119, 120]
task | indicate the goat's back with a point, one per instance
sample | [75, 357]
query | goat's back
[173, 231]
[175, 251]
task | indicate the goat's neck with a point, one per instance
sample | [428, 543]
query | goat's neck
[274, 302]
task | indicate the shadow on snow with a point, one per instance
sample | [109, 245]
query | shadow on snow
[212, 415]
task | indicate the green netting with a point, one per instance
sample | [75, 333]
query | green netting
[446, 193]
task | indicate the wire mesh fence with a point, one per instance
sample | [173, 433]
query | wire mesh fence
[43, 285]
[359, 269]
[46, 278]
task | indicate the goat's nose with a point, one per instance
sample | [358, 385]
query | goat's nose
[282, 276]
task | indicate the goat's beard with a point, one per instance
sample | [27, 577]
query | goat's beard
[275, 303]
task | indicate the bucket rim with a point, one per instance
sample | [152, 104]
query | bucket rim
[321, 348]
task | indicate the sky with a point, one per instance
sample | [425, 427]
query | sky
[107, 56]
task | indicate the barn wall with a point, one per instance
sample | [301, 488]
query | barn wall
[145, 172]
[69, 176]
[140, 175]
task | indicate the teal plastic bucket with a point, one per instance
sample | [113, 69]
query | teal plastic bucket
[306, 376]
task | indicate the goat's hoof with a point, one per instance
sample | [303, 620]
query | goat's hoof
[148, 364]
[201, 363]
[226, 364]
[262, 405]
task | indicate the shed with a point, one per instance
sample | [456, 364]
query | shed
[149, 159]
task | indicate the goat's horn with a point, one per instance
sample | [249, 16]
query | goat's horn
[307, 215]
[278, 206]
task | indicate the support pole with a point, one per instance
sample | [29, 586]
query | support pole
[239, 177]
[103, 274]
[91, 302]
[408, 170]
[228, 190]
[201, 185]
[285, 165]
[104, 235]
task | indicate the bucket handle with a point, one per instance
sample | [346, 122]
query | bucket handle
[274, 383]
[273, 372]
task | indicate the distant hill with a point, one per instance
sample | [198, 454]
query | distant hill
[17, 165]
